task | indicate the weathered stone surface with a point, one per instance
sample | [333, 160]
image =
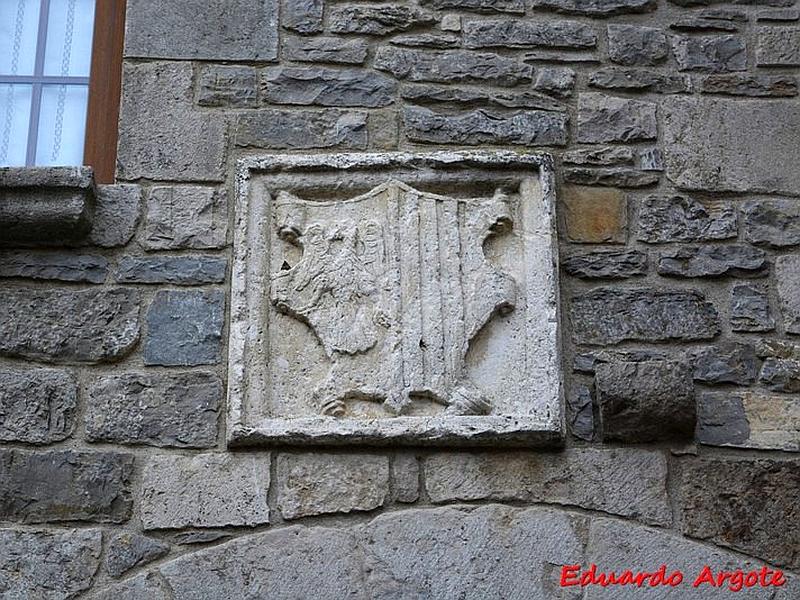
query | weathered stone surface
[725, 363]
[128, 550]
[383, 128]
[596, 8]
[300, 129]
[606, 264]
[631, 45]
[676, 218]
[558, 81]
[197, 29]
[730, 260]
[180, 217]
[710, 54]
[594, 216]
[751, 148]
[645, 401]
[779, 14]
[631, 483]
[161, 136]
[586, 362]
[722, 420]
[651, 159]
[191, 538]
[56, 266]
[37, 406]
[743, 504]
[787, 277]
[146, 585]
[704, 23]
[65, 486]
[302, 16]
[772, 348]
[774, 223]
[580, 413]
[640, 80]
[452, 66]
[227, 86]
[501, 6]
[173, 410]
[378, 19]
[427, 40]
[609, 316]
[750, 309]
[781, 375]
[604, 118]
[184, 328]
[178, 270]
[451, 22]
[504, 33]
[62, 325]
[599, 156]
[326, 87]
[734, 84]
[617, 177]
[325, 50]
[421, 93]
[405, 478]
[116, 215]
[524, 127]
[778, 47]
[205, 490]
[315, 484]
[48, 565]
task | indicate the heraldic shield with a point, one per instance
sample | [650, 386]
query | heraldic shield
[395, 296]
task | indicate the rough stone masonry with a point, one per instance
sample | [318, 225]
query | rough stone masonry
[673, 129]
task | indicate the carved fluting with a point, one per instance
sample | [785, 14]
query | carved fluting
[394, 284]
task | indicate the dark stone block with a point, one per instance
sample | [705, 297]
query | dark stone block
[37, 406]
[735, 260]
[178, 270]
[726, 363]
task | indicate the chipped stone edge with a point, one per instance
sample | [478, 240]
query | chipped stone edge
[249, 271]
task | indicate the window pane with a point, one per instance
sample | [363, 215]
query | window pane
[69, 38]
[62, 125]
[19, 26]
[15, 111]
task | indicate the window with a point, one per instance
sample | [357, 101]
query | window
[60, 64]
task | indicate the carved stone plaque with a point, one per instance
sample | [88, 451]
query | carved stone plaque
[403, 298]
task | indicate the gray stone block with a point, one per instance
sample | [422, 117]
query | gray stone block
[205, 490]
[302, 16]
[427, 40]
[736, 84]
[184, 328]
[222, 86]
[168, 410]
[580, 413]
[778, 47]
[405, 478]
[161, 135]
[198, 29]
[299, 129]
[177, 270]
[48, 565]
[609, 315]
[710, 54]
[721, 419]
[37, 406]
[325, 50]
[645, 401]
[787, 278]
[607, 119]
[781, 375]
[315, 484]
[664, 218]
[640, 80]
[65, 326]
[774, 223]
[606, 264]
[56, 486]
[632, 45]
[599, 156]
[725, 363]
[596, 8]
[378, 19]
[128, 550]
[116, 215]
[531, 127]
[326, 87]
[422, 93]
[729, 260]
[570, 478]
[484, 6]
[53, 266]
[617, 177]
[750, 309]
[558, 81]
[180, 217]
[505, 33]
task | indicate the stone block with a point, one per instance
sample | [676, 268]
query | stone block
[299, 129]
[595, 215]
[774, 223]
[177, 270]
[326, 87]
[746, 504]
[674, 218]
[558, 81]
[423, 93]
[580, 413]
[184, 328]
[185, 217]
[66, 326]
[116, 215]
[736, 84]
[505, 33]
[596, 8]
[302, 16]
[598, 156]
[53, 266]
[128, 550]
[316, 484]
[37, 406]
[607, 119]
[750, 308]
[427, 40]
[615, 177]
[710, 54]
[787, 278]
[639, 80]
[483, 6]
[202, 30]
[405, 478]
[750, 148]
[146, 585]
[161, 135]
[645, 401]
[168, 410]
[48, 565]
[606, 264]
[781, 375]
[378, 19]
[728, 260]
[524, 127]
[778, 47]
[325, 50]
[205, 490]
[629, 483]
[725, 363]
[56, 486]
[631, 45]
[222, 86]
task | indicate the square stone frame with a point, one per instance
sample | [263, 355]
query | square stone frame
[247, 370]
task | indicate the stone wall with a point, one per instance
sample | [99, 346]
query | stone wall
[674, 128]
